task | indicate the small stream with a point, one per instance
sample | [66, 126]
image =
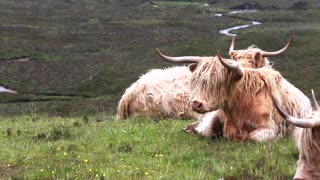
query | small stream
[227, 31]
[6, 90]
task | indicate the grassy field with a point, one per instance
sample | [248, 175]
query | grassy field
[83, 54]
[97, 147]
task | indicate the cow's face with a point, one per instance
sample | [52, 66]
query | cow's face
[205, 93]
[210, 81]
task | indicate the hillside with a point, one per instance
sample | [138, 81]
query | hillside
[72, 57]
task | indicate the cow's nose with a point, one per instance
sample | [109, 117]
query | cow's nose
[196, 105]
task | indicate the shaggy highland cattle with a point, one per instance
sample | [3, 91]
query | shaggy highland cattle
[307, 137]
[163, 93]
[244, 94]
[160, 93]
[252, 57]
[208, 124]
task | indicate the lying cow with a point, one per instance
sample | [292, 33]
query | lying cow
[160, 93]
[308, 142]
[250, 58]
[163, 93]
[244, 96]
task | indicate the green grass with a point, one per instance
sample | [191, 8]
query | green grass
[96, 147]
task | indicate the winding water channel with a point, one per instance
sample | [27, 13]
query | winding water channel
[227, 31]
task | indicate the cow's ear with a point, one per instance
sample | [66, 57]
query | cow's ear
[192, 66]
[258, 56]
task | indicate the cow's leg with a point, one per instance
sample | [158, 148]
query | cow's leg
[231, 132]
[263, 134]
[211, 126]
[190, 128]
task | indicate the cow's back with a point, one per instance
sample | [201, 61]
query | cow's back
[159, 93]
[293, 101]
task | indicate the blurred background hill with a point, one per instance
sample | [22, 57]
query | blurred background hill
[75, 57]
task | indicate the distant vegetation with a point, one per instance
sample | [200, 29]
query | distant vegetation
[91, 51]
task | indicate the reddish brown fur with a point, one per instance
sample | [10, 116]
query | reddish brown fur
[250, 58]
[246, 102]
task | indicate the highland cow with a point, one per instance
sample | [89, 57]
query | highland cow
[307, 137]
[251, 58]
[160, 93]
[244, 94]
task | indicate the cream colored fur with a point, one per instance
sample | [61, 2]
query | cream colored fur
[308, 142]
[160, 93]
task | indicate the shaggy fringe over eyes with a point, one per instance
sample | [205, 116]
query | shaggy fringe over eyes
[211, 78]
[207, 78]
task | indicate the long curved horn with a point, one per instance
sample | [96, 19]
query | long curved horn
[181, 59]
[316, 105]
[232, 44]
[229, 64]
[270, 54]
[304, 123]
